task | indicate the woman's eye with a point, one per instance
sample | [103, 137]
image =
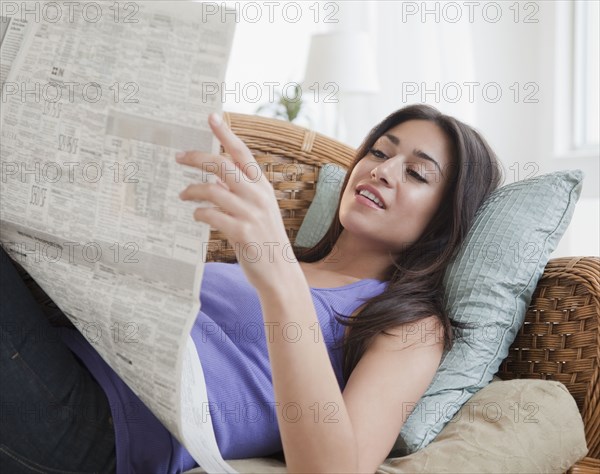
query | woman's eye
[416, 175]
[377, 153]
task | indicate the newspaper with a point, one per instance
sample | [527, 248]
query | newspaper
[12, 31]
[95, 106]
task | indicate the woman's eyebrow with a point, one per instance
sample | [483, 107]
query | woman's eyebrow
[416, 152]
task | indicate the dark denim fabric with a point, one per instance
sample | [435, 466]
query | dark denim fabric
[54, 417]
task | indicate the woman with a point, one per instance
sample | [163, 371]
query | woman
[365, 306]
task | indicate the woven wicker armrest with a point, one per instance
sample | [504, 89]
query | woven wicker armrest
[291, 158]
[560, 340]
[586, 466]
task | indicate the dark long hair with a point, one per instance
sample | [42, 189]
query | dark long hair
[414, 290]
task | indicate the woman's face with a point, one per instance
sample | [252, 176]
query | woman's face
[394, 191]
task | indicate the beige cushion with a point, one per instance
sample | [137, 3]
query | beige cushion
[508, 426]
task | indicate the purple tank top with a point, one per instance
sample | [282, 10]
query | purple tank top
[230, 337]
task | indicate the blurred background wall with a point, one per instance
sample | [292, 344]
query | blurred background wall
[525, 74]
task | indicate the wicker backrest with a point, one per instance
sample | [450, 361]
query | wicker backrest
[560, 339]
[291, 157]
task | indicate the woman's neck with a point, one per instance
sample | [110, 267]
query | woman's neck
[354, 258]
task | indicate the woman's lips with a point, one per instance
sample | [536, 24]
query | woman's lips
[371, 190]
[367, 202]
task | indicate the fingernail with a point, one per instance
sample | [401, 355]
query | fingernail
[215, 119]
[179, 155]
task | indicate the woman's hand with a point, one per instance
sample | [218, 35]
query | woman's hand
[248, 213]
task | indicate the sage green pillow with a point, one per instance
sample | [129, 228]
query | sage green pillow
[489, 285]
[322, 208]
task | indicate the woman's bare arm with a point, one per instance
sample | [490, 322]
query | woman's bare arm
[353, 431]
[386, 384]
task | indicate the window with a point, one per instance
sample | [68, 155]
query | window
[577, 84]
[585, 83]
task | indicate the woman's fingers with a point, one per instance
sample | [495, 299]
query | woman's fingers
[215, 193]
[233, 145]
[243, 208]
[224, 216]
[206, 162]
[237, 171]
[222, 167]
[215, 219]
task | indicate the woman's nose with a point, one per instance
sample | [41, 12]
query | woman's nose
[376, 175]
[386, 171]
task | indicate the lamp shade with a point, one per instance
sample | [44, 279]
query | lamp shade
[345, 58]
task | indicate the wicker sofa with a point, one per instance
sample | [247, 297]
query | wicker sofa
[560, 339]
